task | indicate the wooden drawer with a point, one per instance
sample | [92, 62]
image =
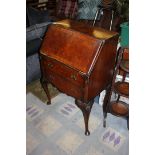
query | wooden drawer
[65, 85]
[52, 66]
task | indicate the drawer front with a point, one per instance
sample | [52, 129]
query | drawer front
[52, 66]
[65, 86]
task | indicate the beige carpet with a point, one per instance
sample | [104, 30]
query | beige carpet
[58, 129]
[36, 89]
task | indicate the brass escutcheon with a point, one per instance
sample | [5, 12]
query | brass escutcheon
[50, 65]
[74, 77]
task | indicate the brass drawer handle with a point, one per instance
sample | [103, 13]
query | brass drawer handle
[50, 65]
[74, 77]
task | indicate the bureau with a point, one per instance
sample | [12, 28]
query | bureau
[78, 60]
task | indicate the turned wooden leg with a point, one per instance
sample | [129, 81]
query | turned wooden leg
[45, 87]
[105, 105]
[86, 109]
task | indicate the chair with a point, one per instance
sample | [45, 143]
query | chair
[102, 9]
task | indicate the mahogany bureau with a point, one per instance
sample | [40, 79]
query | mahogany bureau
[78, 60]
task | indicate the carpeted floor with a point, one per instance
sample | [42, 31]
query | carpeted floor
[58, 129]
[36, 89]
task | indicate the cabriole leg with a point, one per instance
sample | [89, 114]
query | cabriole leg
[86, 109]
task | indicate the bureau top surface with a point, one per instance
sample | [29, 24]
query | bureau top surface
[73, 44]
[96, 32]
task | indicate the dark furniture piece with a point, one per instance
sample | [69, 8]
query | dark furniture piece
[121, 88]
[34, 35]
[49, 5]
[36, 25]
[62, 9]
[78, 60]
